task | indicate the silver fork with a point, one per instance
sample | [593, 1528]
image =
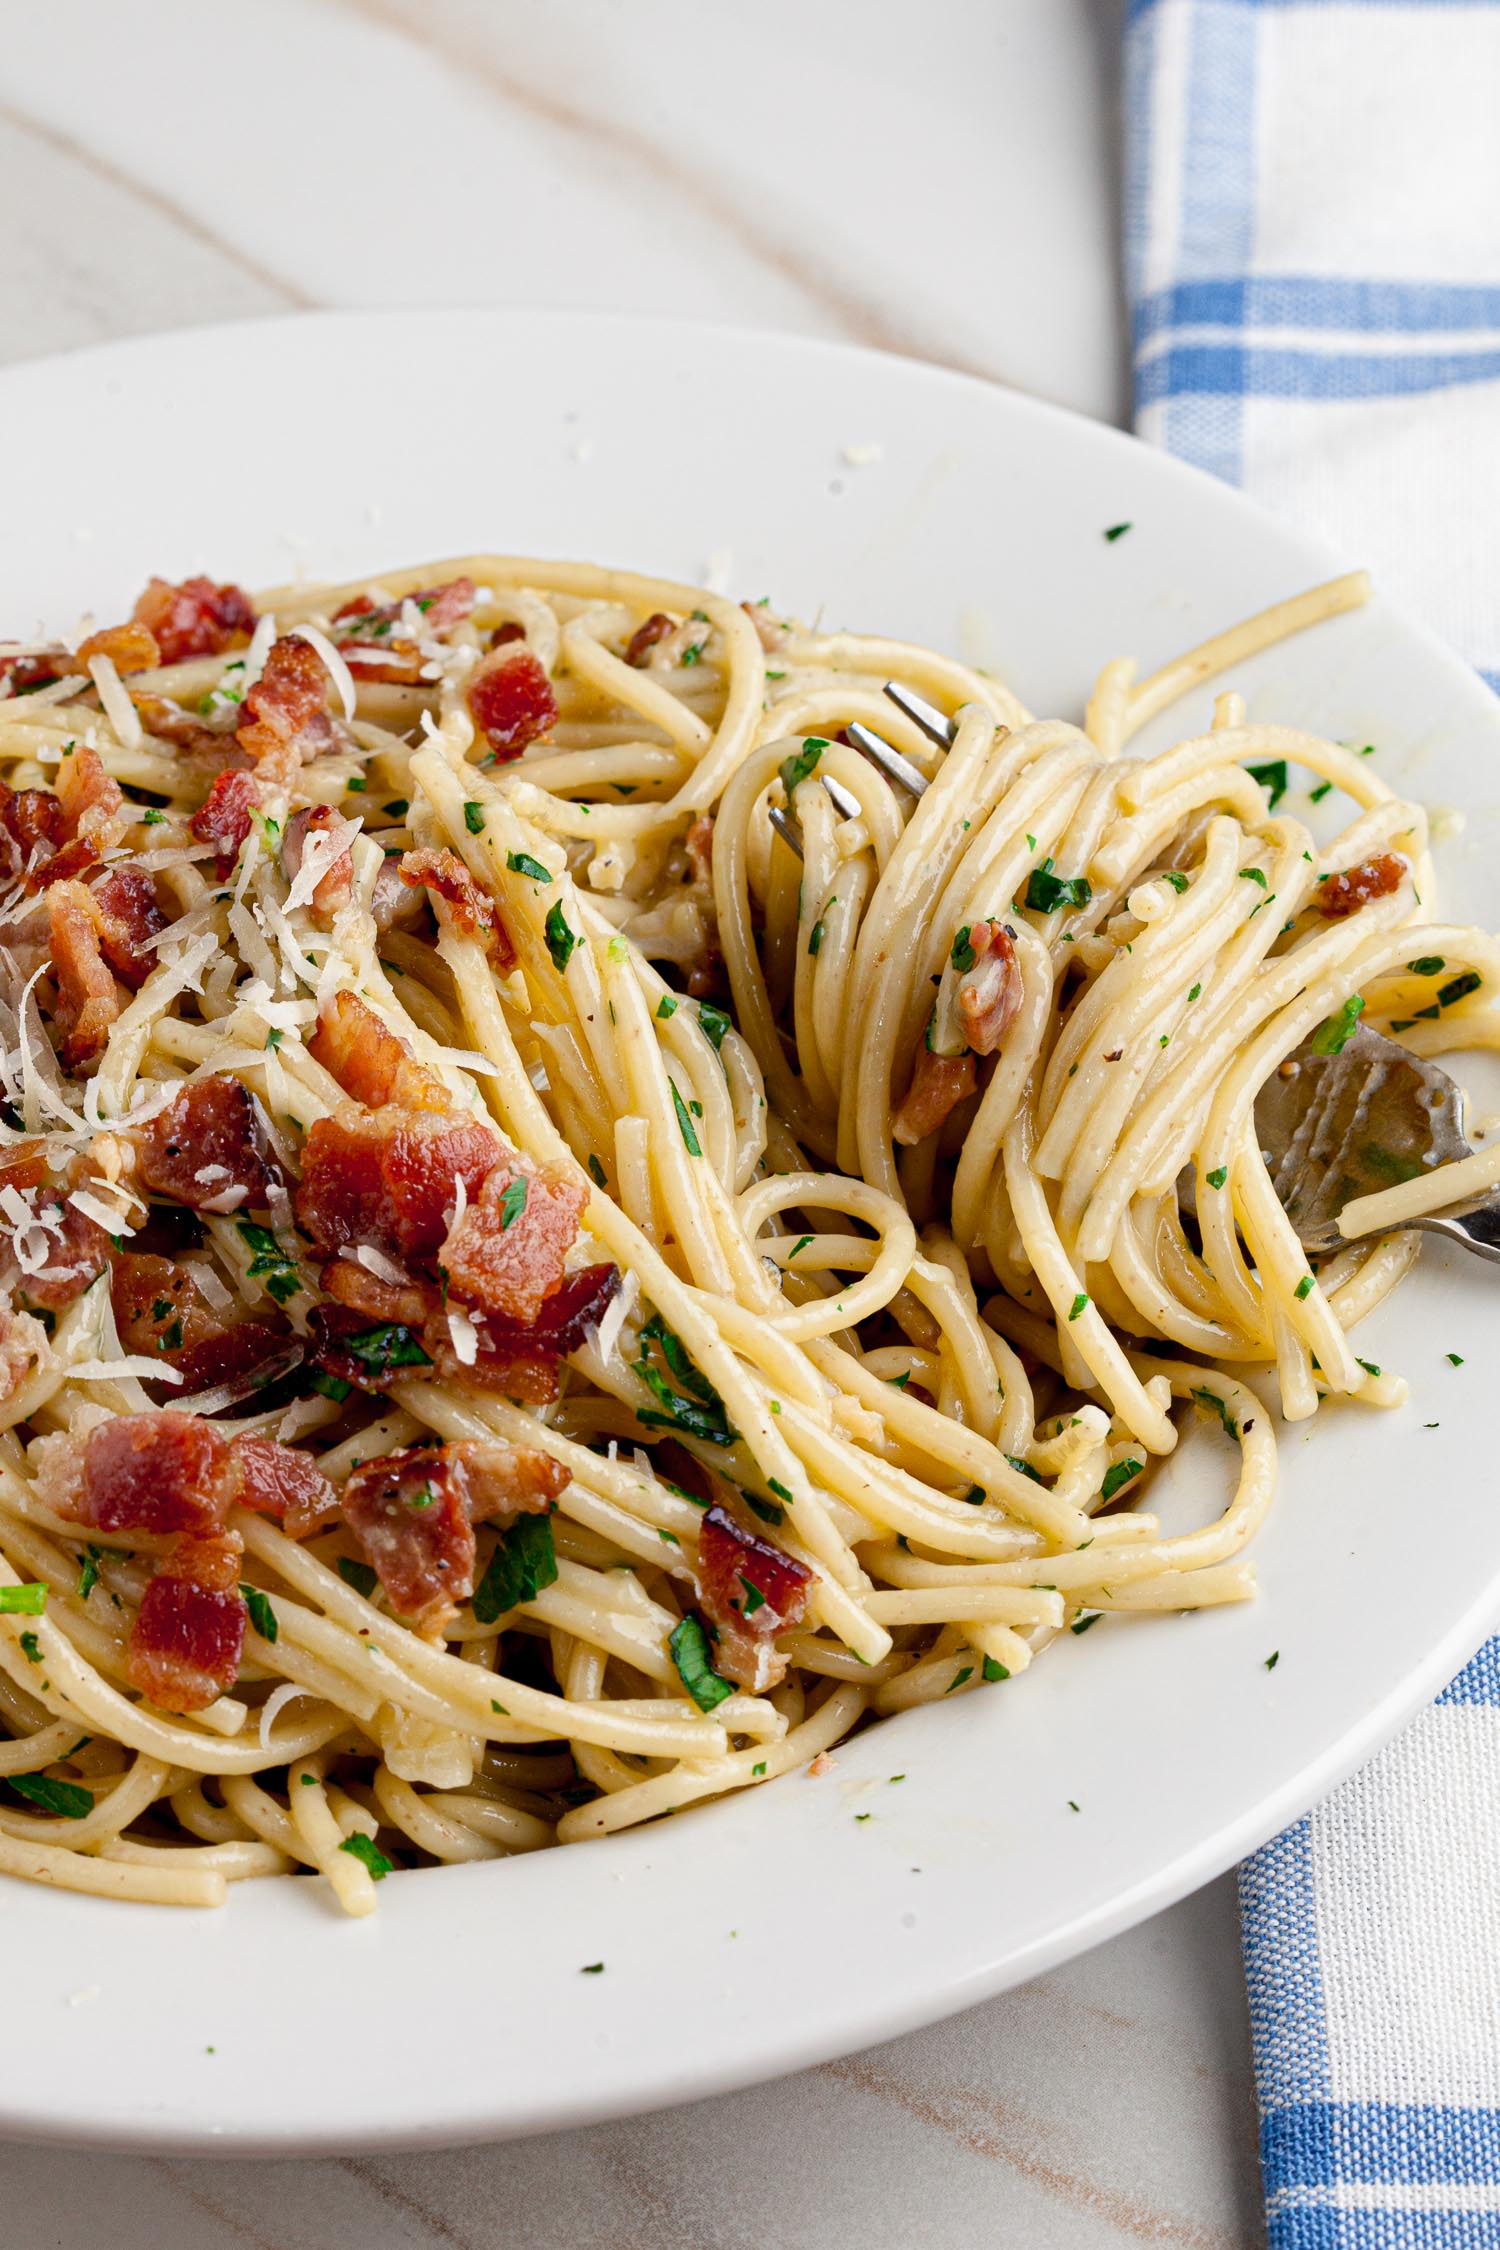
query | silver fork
[1333, 1127]
[882, 756]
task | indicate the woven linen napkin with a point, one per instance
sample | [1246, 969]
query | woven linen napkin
[1312, 222]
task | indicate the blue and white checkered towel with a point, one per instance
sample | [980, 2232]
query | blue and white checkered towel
[1313, 247]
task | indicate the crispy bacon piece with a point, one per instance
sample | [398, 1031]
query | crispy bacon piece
[1345, 894]
[158, 1473]
[511, 700]
[521, 1361]
[130, 648]
[77, 1252]
[278, 1481]
[335, 885]
[88, 1000]
[161, 1311]
[189, 1633]
[389, 1178]
[413, 1514]
[32, 828]
[373, 651]
[938, 1084]
[472, 910]
[750, 1591]
[129, 918]
[413, 1301]
[367, 1347]
[505, 1254]
[90, 797]
[285, 719]
[195, 618]
[645, 637]
[70, 865]
[990, 993]
[170, 723]
[209, 1148]
[370, 1062]
[38, 668]
[223, 819]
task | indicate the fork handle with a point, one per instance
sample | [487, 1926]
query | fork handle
[1477, 1230]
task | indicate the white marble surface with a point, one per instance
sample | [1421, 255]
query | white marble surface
[937, 179]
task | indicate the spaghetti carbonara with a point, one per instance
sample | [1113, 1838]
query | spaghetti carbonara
[535, 1296]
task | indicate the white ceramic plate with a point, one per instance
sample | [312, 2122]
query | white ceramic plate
[775, 1929]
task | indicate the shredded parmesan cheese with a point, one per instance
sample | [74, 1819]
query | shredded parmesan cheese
[338, 670]
[118, 708]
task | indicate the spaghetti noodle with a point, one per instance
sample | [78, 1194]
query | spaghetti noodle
[529, 1306]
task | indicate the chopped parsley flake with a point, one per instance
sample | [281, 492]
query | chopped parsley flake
[64, 1798]
[957, 1681]
[596, 1171]
[713, 1023]
[800, 764]
[1454, 1359]
[560, 939]
[513, 1202]
[1046, 892]
[262, 1616]
[666, 1006]
[1118, 1476]
[1217, 1179]
[1272, 779]
[1332, 1037]
[1273, 1660]
[1211, 1403]
[993, 1670]
[1117, 531]
[1179, 882]
[522, 863]
[684, 1122]
[24, 1601]
[1304, 1287]
[689, 1645]
[700, 1413]
[524, 1561]
[270, 1262]
[473, 817]
[1078, 1305]
[359, 1575]
[383, 1347]
[1430, 965]
[369, 1854]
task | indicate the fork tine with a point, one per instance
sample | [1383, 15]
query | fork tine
[845, 803]
[921, 713]
[788, 828]
[888, 761]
